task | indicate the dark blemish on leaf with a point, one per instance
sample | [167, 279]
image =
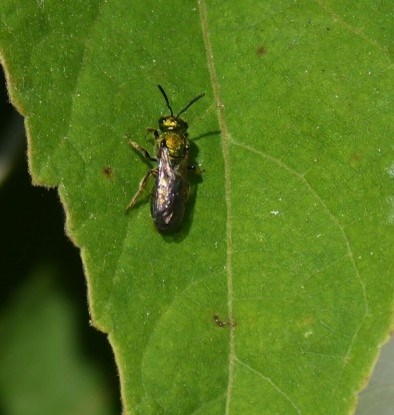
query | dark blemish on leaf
[261, 51]
[355, 159]
[107, 171]
[220, 323]
[356, 156]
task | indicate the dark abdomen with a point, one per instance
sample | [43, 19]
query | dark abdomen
[169, 202]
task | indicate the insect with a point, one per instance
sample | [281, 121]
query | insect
[171, 189]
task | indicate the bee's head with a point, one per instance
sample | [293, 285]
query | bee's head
[172, 123]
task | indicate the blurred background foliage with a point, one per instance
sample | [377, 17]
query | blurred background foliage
[51, 360]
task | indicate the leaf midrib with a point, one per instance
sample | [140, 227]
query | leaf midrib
[226, 159]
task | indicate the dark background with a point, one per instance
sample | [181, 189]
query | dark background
[32, 235]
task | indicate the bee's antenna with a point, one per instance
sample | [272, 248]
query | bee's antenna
[166, 99]
[191, 103]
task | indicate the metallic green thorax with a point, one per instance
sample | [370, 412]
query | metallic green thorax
[176, 142]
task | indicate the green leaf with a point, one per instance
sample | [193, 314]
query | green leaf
[277, 294]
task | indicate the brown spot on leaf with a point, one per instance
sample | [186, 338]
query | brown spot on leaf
[107, 171]
[261, 50]
[220, 323]
[355, 159]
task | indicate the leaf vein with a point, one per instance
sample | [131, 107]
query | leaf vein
[226, 158]
[341, 228]
[271, 382]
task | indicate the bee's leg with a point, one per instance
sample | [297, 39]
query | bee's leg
[196, 169]
[154, 131]
[141, 188]
[142, 150]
